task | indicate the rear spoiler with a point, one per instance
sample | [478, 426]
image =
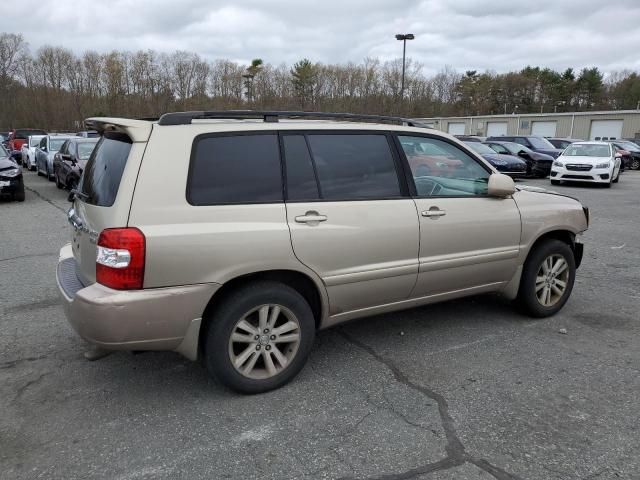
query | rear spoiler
[137, 130]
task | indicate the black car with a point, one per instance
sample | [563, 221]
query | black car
[562, 143]
[538, 164]
[71, 160]
[630, 153]
[507, 164]
[11, 182]
[532, 142]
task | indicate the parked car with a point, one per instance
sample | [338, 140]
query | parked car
[538, 164]
[18, 136]
[630, 153]
[470, 138]
[562, 143]
[532, 142]
[633, 140]
[71, 160]
[88, 134]
[595, 162]
[227, 260]
[507, 164]
[28, 151]
[45, 152]
[11, 181]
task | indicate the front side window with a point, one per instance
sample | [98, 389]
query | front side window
[43, 143]
[354, 167]
[442, 169]
[496, 147]
[235, 169]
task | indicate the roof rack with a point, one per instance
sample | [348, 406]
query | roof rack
[185, 118]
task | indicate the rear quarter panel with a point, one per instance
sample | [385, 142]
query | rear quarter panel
[188, 244]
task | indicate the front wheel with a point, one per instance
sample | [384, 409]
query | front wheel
[259, 338]
[635, 164]
[555, 182]
[547, 279]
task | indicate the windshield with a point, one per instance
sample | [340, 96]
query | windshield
[34, 141]
[85, 149]
[480, 148]
[3, 152]
[56, 143]
[539, 142]
[587, 150]
[632, 147]
[516, 148]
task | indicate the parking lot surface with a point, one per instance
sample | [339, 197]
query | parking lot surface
[462, 390]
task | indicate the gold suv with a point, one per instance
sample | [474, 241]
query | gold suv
[232, 237]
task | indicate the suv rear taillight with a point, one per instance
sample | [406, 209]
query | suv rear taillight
[120, 258]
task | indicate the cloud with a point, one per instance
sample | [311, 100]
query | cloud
[498, 35]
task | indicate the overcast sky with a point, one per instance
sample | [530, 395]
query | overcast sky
[499, 35]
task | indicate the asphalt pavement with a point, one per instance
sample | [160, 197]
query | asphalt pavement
[463, 390]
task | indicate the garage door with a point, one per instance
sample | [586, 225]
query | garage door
[605, 129]
[544, 129]
[456, 128]
[495, 129]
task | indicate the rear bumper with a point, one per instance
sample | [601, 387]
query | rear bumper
[149, 319]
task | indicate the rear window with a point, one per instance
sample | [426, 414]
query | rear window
[101, 178]
[235, 169]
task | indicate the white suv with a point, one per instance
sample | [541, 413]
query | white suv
[233, 236]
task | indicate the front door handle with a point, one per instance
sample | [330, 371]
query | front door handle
[311, 217]
[434, 213]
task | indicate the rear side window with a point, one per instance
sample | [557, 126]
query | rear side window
[235, 169]
[354, 167]
[101, 177]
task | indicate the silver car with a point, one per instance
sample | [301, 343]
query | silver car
[234, 236]
[46, 150]
[28, 151]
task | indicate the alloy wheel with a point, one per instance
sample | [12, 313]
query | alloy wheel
[264, 341]
[552, 280]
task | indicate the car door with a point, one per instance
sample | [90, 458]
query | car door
[41, 155]
[350, 217]
[468, 240]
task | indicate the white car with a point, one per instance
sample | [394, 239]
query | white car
[595, 162]
[28, 151]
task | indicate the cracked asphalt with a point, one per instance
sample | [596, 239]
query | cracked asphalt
[464, 390]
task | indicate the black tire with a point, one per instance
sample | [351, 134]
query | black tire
[635, 164]
[527, 298]
[38, 171]
[617, 179]
[19, 195]
[555, 182]
[58, 182]
[224, 318]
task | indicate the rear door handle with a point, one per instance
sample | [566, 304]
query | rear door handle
[434, 212]
[311, 217]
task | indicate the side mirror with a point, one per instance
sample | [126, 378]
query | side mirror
[500, 185]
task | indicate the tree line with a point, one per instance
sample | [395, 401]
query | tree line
[54, 88]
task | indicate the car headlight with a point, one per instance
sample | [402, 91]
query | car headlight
[14, 172]
[603, 165]
[558, 163]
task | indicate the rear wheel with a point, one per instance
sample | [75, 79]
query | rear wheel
[547, 278]
[259, 338]
[58, 182]
[19, 195]
[635, 164]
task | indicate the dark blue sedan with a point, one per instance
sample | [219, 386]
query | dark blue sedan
[507, 164]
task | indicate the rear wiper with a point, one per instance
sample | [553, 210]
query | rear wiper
[77, 193]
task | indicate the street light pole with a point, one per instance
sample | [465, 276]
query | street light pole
[404, 38]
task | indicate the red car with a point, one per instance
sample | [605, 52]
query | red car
[18, 136]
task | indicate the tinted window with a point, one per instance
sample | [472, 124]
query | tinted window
[101, 178]
[539, 142]
[354, 166]
[301, 179]
[499, 148]
[64, 148]
[442, 169]
[235, 169]
[43, 143]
